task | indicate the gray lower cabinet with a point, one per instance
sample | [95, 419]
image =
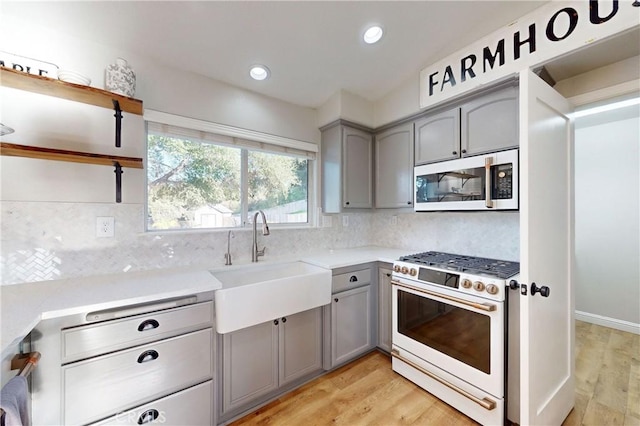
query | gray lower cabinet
[351, 324]
[127, 365]
[384, 308]
[191, 406]
[394, 167]
[257, 360]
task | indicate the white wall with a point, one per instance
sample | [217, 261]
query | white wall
[607, 176]
[347, 106]
[161, 86]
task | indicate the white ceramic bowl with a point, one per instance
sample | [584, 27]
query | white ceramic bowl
[73, 77]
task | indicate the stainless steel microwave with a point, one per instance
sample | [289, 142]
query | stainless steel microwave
[483, 182]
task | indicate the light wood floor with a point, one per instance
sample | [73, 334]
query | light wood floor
[368, 392]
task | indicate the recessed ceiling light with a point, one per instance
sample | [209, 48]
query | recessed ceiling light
[373, 34]
[259, 72]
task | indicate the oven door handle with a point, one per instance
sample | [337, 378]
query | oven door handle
[485, 403]
[482, 306]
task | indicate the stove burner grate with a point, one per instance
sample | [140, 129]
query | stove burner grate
[470, 264]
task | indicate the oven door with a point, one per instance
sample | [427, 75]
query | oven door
[458, 333]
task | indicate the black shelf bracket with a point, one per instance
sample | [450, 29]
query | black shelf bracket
[118, 171]
[118, 116]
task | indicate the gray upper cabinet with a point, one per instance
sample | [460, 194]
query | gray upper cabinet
[347, 169]
[485, 123]
[437, 137]
[490, 123]
[394, 167]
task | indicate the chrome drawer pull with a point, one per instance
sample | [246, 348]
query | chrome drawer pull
[147, 356]
[485, 403]
[148, 325]
[148, 416]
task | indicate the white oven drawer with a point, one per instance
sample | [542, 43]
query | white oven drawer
[350, 280]
[193, 406]
[97, 388]
[96, 339]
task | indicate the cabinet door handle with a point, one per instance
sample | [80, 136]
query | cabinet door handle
[336, 300]
[148, 416]
[147, 356]
[284, 319]
[464, 151]
[149, 324]
[276, 322]
[455, 152]
[388, 274]
[346, 203]
[353, 279]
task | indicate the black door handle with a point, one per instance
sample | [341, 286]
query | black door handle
[544, 290]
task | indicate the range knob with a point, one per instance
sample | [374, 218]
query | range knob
[478, 286]
[413, 272]
[466, 283]
[396, 268]
[492, 289]
[404, 270]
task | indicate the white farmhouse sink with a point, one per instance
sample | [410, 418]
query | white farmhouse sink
[257, 293]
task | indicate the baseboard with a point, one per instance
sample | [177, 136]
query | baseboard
[627, 326]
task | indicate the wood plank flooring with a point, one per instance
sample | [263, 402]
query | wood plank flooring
[368, 392]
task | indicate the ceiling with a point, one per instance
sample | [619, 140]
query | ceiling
[313, 49]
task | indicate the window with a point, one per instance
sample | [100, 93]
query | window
[200, 180]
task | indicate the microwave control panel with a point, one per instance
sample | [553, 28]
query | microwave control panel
[502, 182]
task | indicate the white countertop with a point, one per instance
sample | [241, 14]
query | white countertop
[23, 306]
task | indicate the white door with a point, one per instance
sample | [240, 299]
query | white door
[546, 254]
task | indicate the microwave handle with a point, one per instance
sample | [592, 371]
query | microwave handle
[488, 202]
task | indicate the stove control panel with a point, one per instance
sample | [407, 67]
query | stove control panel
[479, 285]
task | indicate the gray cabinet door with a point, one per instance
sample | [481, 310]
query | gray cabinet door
[250, 361]
[437, 137]
[357, 168]
[394, 167]
[350, 324]
[300, 345]
[490, 123]
[384, 309]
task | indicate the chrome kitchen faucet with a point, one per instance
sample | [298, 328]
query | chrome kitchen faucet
[255, 253]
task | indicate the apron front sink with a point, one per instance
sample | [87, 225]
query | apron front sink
[257, 293]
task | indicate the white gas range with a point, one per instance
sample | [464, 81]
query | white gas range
[449, 329]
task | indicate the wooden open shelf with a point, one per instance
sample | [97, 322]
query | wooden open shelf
[75, 92]
[14, 150]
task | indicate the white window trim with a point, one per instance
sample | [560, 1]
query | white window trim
[223, 129]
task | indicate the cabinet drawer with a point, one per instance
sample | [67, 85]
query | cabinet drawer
[102, 386]
[96, 339]
[193, 406]
[349, 280]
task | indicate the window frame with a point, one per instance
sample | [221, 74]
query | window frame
[265, 144]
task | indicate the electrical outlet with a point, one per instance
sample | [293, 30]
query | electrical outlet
[327, 221]
[345, 220]
[394, 220]
[105, 227]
